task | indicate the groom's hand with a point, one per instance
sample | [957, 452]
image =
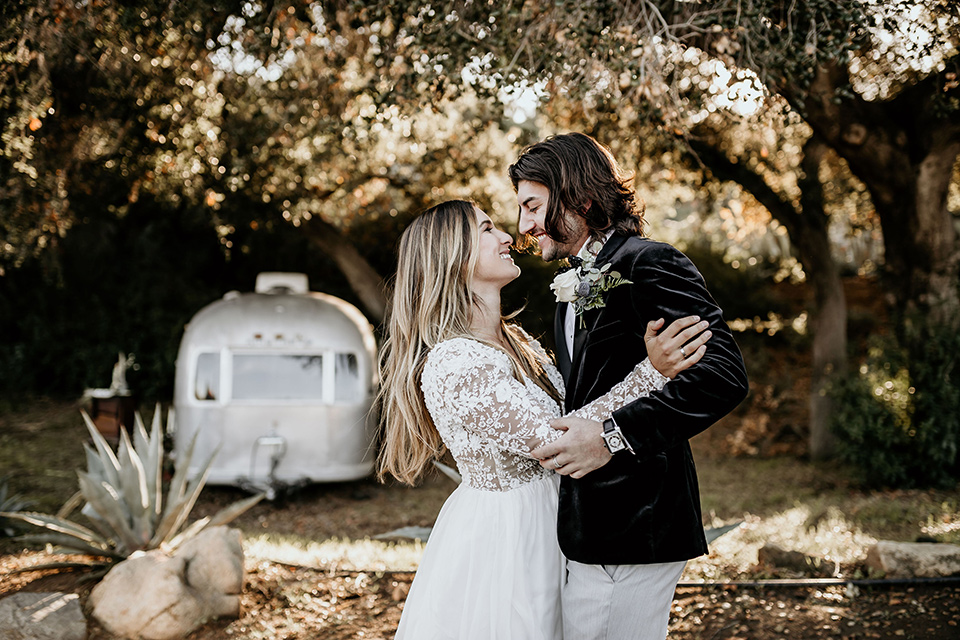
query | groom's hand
[578, 451]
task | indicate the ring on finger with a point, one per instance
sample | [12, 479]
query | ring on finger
[556, 463]
[683, 352]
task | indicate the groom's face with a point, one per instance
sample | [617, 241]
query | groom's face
[532, 198]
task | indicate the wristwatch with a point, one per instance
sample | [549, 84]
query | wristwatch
[613, 438]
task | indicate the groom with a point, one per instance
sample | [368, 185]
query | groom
[629, 515]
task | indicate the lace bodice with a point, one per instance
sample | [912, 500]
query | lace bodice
[491, 421]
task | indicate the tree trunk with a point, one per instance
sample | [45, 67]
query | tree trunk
[828, 322]
[807, 231]
[363, 278]
[922, 259]
[904, 152]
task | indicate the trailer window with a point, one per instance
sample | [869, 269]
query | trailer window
[277, 377]
[347, 378]
[207, 383]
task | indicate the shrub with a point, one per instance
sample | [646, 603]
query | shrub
[124, 499]
[898, 419]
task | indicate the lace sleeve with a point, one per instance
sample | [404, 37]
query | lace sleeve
[470, 384]
[639, 383]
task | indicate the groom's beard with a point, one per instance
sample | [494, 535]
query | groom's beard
[552, 249]
[552, 252]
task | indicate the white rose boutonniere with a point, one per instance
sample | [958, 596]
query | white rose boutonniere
[564, 285]
[583, 284]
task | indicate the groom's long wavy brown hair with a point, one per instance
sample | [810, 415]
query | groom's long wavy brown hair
[583, 178]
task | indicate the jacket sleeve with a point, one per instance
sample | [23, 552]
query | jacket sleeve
[667, 285]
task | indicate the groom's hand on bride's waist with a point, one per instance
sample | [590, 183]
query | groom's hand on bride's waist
[578, 451]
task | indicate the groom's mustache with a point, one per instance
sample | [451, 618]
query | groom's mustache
[526, 243]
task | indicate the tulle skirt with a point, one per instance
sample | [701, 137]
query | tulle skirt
[491, 569]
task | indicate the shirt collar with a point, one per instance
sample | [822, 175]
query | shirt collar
[585, 249]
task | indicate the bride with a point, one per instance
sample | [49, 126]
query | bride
[457, 376]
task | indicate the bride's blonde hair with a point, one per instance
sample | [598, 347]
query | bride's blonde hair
[432, 301]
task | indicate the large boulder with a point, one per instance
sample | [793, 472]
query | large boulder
[914, 559]
[156, 596]
[42, 616]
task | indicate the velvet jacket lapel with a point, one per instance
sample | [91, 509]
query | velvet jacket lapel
[581, 335]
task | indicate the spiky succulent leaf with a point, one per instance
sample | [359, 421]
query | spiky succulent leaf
[106, 501]
[124, 497]
[235, 510]
[98, 523]
[170, 518]
[111, 467]
[14, 503]
[152, 458]
[133, 487]
[70, 505]
[94, 463]
[195, 527]
[222, 517]
[72, 544]
[179, 481]
[184, 505]
[139, 432]
[11, 502]
[57, 525]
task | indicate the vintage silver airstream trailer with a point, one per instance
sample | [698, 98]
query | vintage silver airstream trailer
[282, 381]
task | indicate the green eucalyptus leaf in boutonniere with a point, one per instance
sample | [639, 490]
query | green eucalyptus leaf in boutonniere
[583, 284]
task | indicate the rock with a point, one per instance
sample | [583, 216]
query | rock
[42, 616]
[773, 556]
[157, 596]
[146, 596]
[215, 560]
[215, 567]
[914, 559]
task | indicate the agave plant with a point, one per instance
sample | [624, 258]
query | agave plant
[124, 498]
[10, 503]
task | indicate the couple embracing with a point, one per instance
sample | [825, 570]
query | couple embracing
[579, 504]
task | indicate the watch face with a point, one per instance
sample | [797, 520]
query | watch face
[614, 443]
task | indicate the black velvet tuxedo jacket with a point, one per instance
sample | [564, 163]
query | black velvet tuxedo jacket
[644, 509]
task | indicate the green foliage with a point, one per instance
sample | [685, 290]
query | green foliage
[898, 418]
[143, 174]
[125, 505]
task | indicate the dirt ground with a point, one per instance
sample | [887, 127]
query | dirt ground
[285, 602]
[289, 602]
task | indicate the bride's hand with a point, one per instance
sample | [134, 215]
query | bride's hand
[679, 346]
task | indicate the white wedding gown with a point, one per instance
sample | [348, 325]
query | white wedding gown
[492, 568]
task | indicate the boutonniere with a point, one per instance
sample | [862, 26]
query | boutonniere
[583, 284]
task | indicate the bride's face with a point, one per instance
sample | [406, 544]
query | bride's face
[494, 263]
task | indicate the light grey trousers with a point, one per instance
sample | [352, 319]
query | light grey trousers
[618, 602]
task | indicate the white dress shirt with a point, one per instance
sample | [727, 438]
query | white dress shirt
[570, 320]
